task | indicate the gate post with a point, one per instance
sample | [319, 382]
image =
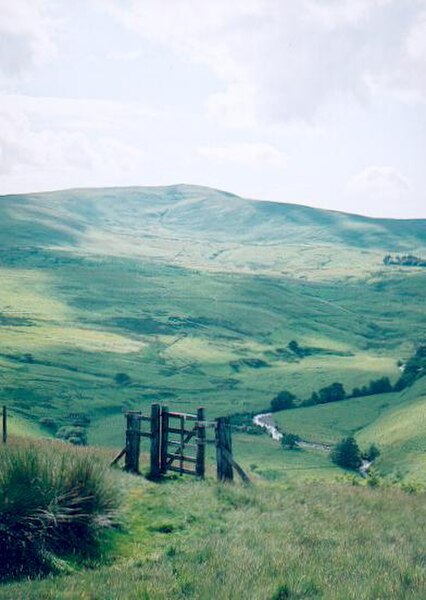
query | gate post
[154, 471]
[4, 425]
[164, 438]
[224, 450]
[201, 448]
[133, 442]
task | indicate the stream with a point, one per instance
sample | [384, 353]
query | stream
[266, 421]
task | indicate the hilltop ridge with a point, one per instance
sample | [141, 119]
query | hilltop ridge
[205, 228]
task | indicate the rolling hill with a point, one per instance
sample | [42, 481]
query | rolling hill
[194, 295]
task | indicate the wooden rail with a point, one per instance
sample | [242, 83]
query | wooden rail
[169, 454]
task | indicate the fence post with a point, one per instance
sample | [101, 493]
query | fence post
[164, 438]
[4, 424]
[201, 444]
[224, 449]
[154, 471]
[133, 442]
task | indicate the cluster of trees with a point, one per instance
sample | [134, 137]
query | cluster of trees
[414, 368]
[348, 455]
[290, 440]
[283, 401]
[406, 260]
[74, 433]
[376, 386]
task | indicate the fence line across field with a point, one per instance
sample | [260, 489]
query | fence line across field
[177, 443]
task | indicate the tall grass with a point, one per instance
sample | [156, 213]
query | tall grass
[55, 501]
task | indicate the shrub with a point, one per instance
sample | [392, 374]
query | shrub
[347, 454]
[53, 502]
[73, 435]
[282, 401]
[380, 386]
[413, 369]
[289, 440]
[332, 393]
[49, 423]
[122, 379]
[372, 453]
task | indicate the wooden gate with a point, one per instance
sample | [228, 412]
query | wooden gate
[182, 433]
[178, 443]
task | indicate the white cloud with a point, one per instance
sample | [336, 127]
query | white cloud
[251, 154]
[27, 30]
[280, 60]
[51, 142]
[378, 190]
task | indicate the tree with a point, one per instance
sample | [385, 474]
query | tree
[372, 453]
[122, 379]
[294, 347]
[282, 401]
[289, 440]
[347, 454]
[73, 435]
[380, 386]
[332, 393]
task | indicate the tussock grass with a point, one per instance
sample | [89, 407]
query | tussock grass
[197, 540]
[55, 501]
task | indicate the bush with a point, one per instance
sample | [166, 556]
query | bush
[347, 454]
[282, 401]
[332, 393]
[289, 440]
[53, 502]
[413, 369]
[122, 379]
[73, 435]
[49, 423]
[372, 453]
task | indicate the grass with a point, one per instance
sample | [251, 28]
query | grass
[55, 502]
[195, 294]
[400, 434]
[187, 539]
[328, 423]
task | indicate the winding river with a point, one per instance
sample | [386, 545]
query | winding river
[266, 421]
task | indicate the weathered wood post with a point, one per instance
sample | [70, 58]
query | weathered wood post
[4, 428]
[133, 442]
[224, 450]
[201, 444]
[164, 438]
[154, 471]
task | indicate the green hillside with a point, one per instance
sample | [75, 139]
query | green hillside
[300, 540]
[194, 295]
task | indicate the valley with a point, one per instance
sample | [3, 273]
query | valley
[194, 295]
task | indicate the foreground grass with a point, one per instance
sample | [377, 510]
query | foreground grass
[189, 539]
[55, 502]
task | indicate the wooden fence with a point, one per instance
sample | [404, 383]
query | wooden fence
[178, 443]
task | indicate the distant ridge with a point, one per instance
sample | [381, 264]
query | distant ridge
[198, 213]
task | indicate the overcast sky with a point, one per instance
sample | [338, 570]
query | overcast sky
[319, 102]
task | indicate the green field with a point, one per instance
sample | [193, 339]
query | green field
[273, 540]
[195, 294]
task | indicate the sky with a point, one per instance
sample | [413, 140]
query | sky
[316, 102]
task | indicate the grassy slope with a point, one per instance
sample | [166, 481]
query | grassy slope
[147, 282]
[395, 422]
[199, 540]
[400, 432]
